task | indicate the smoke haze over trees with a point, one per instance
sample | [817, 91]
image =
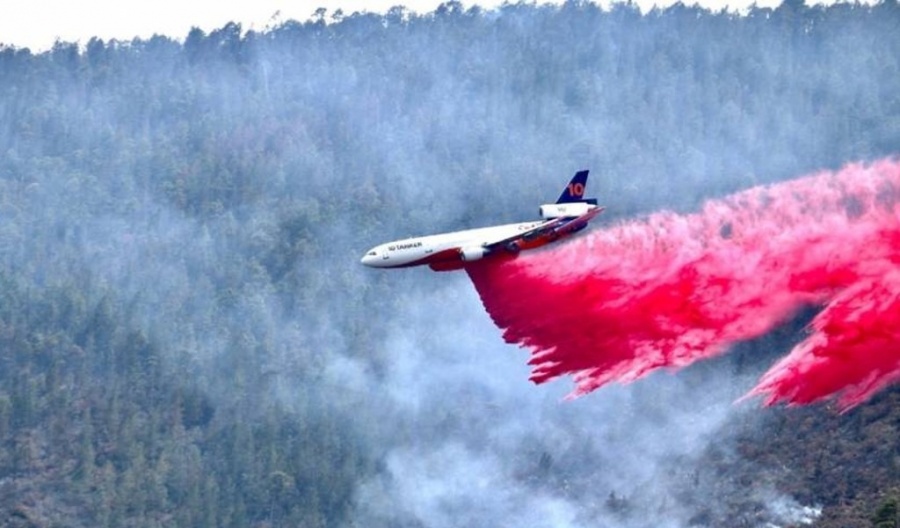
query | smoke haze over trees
[188, 337]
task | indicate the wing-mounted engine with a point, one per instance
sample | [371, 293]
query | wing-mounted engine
[566, 210]
[471, 253]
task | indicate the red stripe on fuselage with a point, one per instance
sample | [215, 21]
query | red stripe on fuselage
[447, 255]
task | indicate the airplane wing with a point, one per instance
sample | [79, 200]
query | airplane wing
[579, 222]
[551, 229]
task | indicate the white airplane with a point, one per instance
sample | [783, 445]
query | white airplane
[451, 251]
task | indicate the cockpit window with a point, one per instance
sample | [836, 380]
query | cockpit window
[373, 253]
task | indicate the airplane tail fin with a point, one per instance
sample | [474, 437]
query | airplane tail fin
[574, 191]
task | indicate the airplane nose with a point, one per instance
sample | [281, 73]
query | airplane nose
[369, 259]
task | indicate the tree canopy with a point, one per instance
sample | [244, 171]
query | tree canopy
[181, 221]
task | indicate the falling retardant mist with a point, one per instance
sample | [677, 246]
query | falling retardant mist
[670, 289]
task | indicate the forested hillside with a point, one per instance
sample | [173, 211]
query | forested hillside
[187, 337]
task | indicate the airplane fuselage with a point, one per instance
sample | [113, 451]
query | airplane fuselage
[449, 251]
[442, 251]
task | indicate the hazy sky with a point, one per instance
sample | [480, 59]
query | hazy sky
[36, 24]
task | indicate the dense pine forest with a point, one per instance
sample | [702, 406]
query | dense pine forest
[187, 337]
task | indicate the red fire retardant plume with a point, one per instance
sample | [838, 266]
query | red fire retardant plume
[616, 303]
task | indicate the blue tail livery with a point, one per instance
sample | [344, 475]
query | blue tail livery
[574, 191]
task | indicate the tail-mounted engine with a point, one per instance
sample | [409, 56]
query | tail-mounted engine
[566, 210]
